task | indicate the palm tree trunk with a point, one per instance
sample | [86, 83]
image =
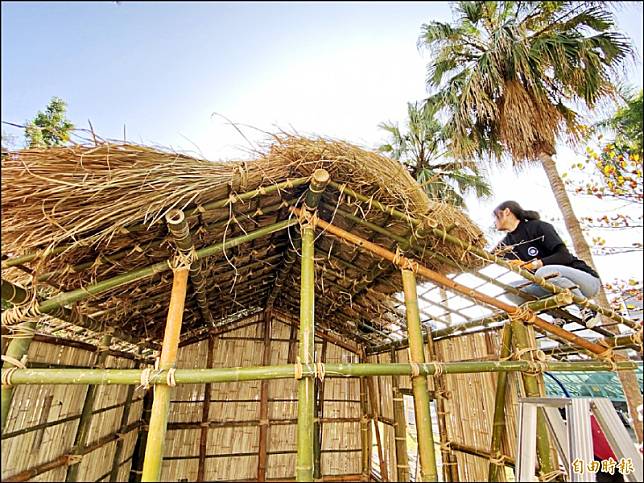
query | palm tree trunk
[628, 379]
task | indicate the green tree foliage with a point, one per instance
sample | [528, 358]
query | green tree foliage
[420, 148]
[49, 128]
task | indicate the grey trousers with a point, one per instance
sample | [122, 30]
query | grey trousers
[588, 286]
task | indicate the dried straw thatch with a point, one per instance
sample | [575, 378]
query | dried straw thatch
[103, 207]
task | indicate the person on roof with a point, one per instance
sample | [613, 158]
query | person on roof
[535, 245]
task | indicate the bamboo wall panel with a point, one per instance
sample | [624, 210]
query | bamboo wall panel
[184, 470]
[281, 466]
[34, 405]
[231, 468]
[470, 408]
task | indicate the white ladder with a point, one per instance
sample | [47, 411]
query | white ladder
[572, 437]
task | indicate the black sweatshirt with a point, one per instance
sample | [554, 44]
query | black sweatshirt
[536, 239]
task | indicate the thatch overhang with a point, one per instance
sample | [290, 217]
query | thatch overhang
[91, 213]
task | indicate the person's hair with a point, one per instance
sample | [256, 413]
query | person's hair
[516, 210]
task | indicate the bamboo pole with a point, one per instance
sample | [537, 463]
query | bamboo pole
[532, 389]
[205, 414]
[319, 418]
[444, 235]
[306, 387]
[82, 431]
[496, 471]
[167, 360]
[116, 462]
[180, 231]
[412, 265]
[427, 457]
[287, 371]
[263, 405]
[400, 428]
[365, 433]
[450, 468]
[384, 471]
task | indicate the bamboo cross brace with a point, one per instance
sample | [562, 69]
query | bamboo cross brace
[425, 272]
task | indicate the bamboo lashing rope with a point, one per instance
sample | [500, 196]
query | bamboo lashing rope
[439, 368]
[446, 446]
[74, 459]
[415, 369]
[6, 376]
[497, 459]
[20, 364]
[320, 371]
[17, 314]
[170, 381]
[298, 368]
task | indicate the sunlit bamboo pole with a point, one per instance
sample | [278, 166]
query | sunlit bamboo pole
[167, 361]
[426, 453]
[306, 385]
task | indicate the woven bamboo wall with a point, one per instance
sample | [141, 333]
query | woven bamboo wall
[232, 452]
[35, 405]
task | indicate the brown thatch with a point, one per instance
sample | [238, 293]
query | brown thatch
[105, 205]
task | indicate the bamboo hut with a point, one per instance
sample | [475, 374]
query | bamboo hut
[168, 318]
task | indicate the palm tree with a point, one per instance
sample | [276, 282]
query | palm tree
[420, 149]
[513, 77]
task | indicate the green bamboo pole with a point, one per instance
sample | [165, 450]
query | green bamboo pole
[72, 296]
[427, 457]
[496, 470]
[180, 231]
[167, 360]
[400, 428]
[209, 206]
[82, 431]
[532, 389]
[306, 385]
[444, 235]
[287, 371]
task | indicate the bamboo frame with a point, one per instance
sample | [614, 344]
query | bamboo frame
[428, 471]
[167, 360]
[365, 433]
[263, 405]
[375, 417]
[125, 416]
[498, 426]
[306, 385]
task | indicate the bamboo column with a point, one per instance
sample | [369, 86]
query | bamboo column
[306, 386]
[427, 457]
[263, 405]
[496, 470]
[365, 432]
[82, 432]
[167, 361]
[532, 389]
[205, 414]
[450, 464]
[400, 427]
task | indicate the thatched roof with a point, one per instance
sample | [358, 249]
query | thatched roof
[102, 207]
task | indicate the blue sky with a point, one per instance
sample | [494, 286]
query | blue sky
[332, 69]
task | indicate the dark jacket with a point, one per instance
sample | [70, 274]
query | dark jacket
[536, 239]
